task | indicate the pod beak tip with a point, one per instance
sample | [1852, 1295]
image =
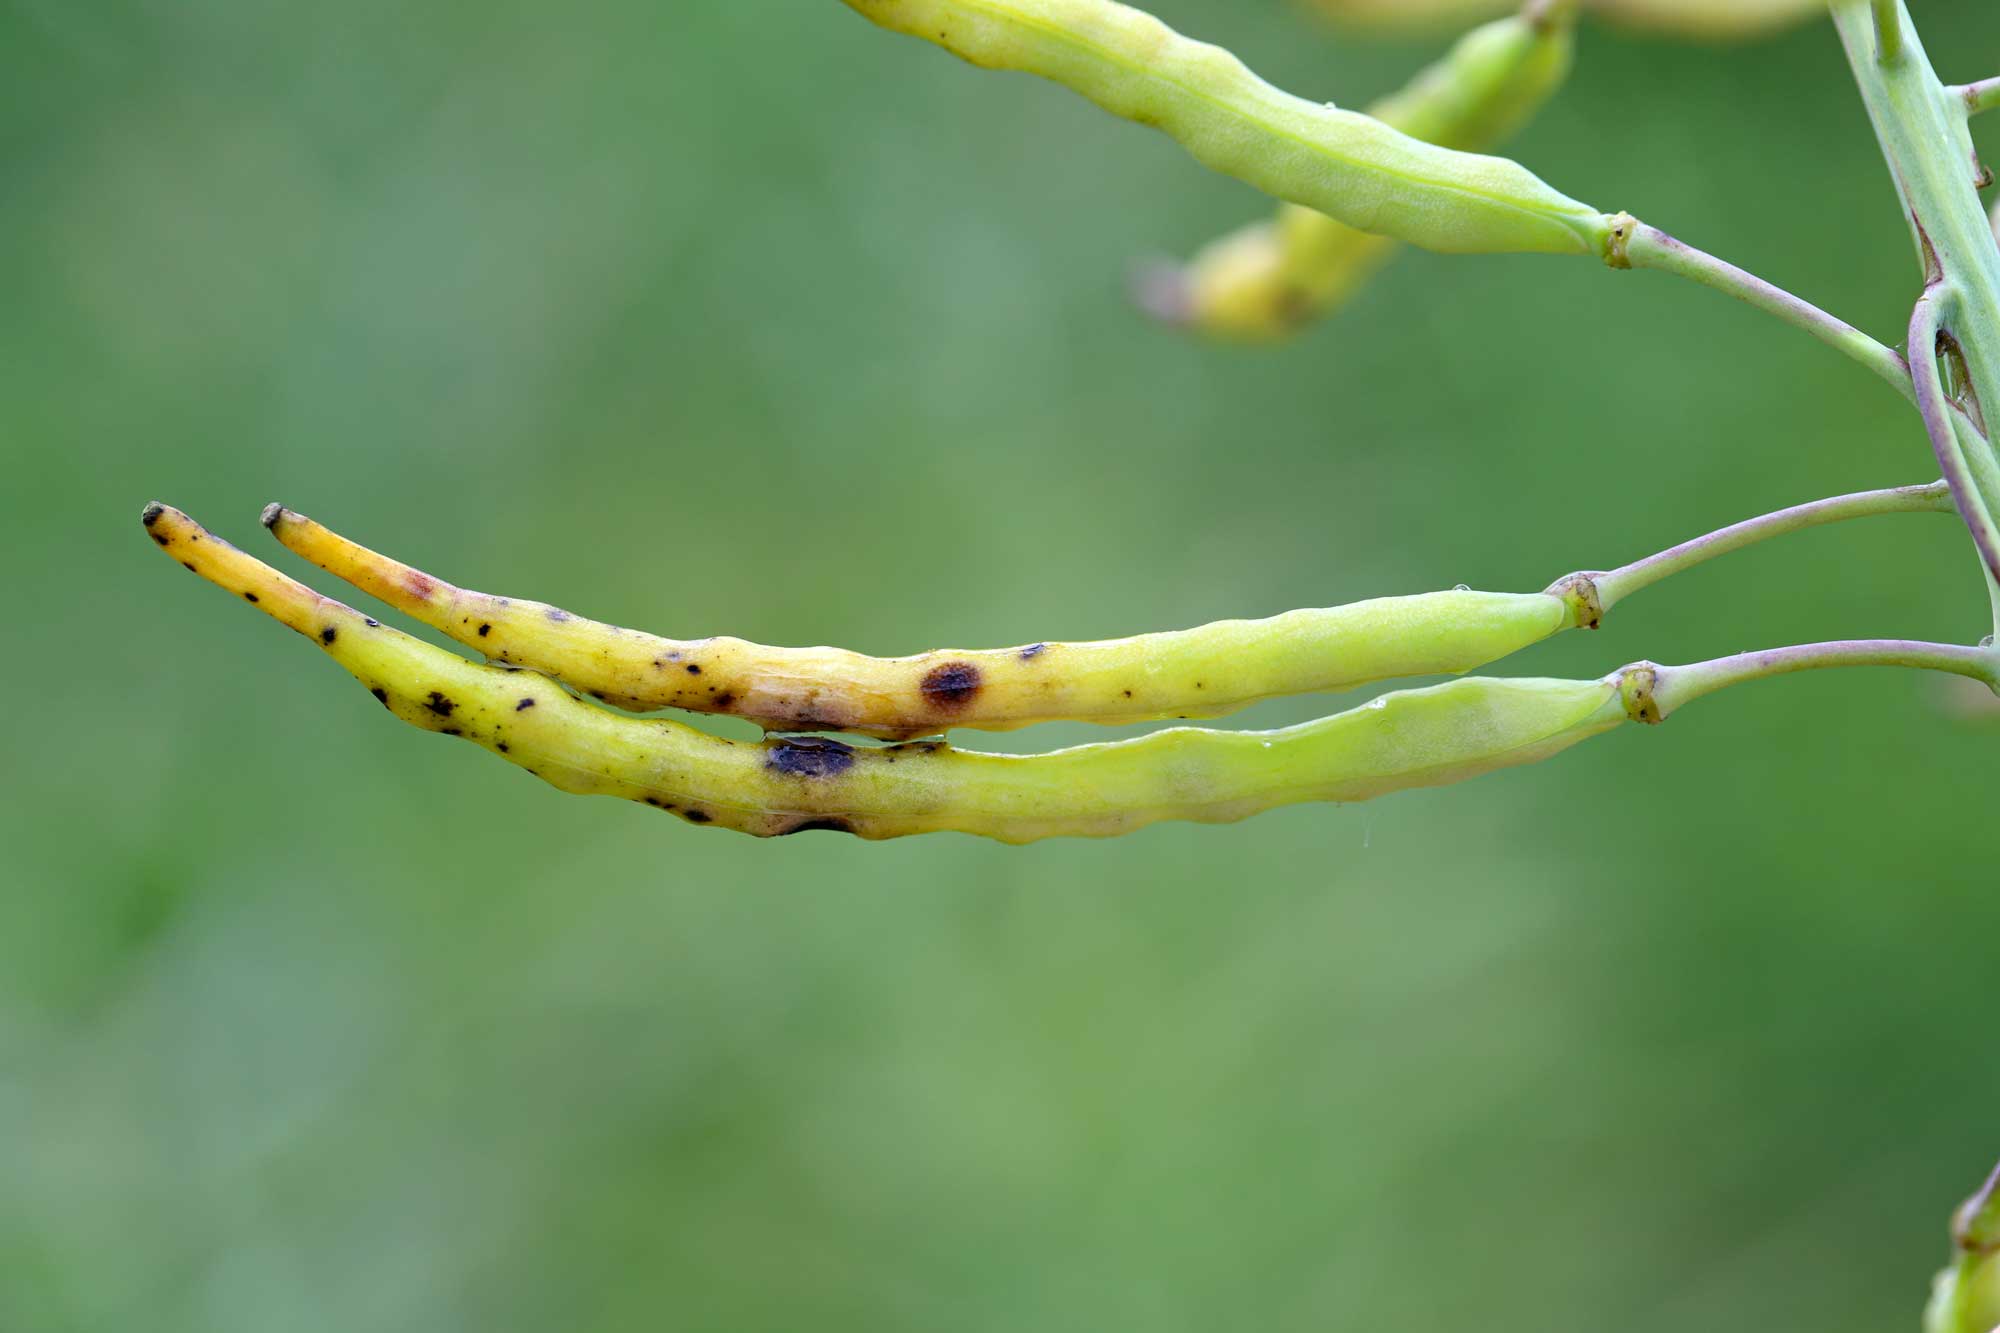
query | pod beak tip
[151, 513]
[272, 513]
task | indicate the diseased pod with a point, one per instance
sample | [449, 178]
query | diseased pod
[1418, 738]
[1202, 672]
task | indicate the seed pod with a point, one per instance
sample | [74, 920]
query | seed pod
[1270, 278]
[1416, 738]
[1203, 672]
[1344, 164]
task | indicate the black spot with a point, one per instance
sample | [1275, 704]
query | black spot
[501, 746]
[329, 634]
[188, 565]
[809, 757]
[817, 825]
[249, 596]
[656, 802]
[913, 747]
[693, 670]
[483, 629]
[161, 538]
[1128, 694]
[452, 731]
[381, 696]
[699, 816]
[525, 703]
[440, 705]
[1032, 651]
[151, 513]
[952, 686]
[724, 699]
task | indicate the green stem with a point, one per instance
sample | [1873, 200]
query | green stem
[1649, 247]
[1620, 583]
[1981, 96]
[1967, 466]
[1922, 127]
[1671, 686]
[1888, 31]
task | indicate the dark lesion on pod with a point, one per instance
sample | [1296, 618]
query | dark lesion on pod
[827, 824]
[951, 686]
[809, 757]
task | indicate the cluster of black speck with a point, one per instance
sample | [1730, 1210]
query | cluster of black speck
[440, 705]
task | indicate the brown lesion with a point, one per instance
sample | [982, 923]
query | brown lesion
[951, 686]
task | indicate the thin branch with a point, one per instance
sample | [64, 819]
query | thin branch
[1649, 247]
[1981, 96]
[1620, 583]
[1671, 686]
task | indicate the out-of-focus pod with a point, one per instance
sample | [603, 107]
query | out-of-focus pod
[1271, 278]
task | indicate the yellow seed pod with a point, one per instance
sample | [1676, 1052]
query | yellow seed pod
[1270, 278]
[1414, 738]
[1344, 164]
[1203, 672]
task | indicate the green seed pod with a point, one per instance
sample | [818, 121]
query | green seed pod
[1349, 166]
[1416, 738]
[1270, 278]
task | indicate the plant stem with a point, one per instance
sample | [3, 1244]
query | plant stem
[1888, 31]
[1649, 247]
[1981, 96]
[1620, 583]
[1967, 471]
[1673, 686]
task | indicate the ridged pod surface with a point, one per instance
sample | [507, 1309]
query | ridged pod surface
[1341, 163]
[1202, 672]
[1270, 278]
[1414, 738]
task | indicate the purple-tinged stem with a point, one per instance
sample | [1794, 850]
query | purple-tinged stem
[1649, 247]
[1943, 424]
[1934, 498]
[1672, 686]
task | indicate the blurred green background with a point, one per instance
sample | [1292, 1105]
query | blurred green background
[747, 317]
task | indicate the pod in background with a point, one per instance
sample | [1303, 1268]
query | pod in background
[1202, 672]
[1269, 279]
[1414, 738]
[1347, 165]
[1703, 20]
